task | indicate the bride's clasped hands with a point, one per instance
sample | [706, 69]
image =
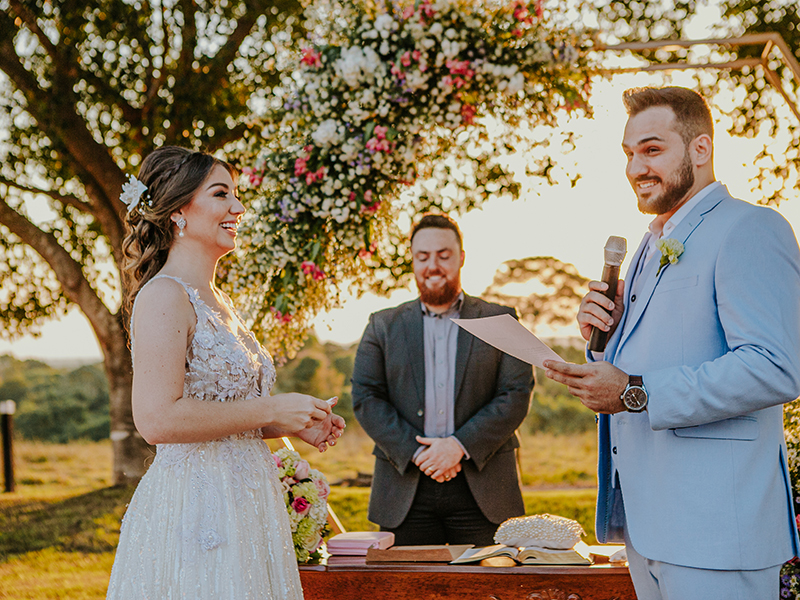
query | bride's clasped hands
[305, 417]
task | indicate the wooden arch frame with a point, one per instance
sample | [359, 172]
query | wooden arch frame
[771, 42]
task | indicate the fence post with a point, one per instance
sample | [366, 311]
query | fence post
[7, 410]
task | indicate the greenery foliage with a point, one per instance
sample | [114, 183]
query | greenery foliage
[56, 405]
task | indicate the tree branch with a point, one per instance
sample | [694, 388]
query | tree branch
[68, 200]
[224, 137]
[68, 272]
[30, 20]
[189, 37]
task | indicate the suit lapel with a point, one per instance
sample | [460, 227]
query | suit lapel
[415, 343]
[650, 280]
[470, 309]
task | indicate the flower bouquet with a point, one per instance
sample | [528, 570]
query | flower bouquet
[383, 96]
[305, 492]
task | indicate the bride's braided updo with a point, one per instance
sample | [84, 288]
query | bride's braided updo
[172, 176]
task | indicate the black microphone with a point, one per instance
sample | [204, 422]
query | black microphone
[613, 253]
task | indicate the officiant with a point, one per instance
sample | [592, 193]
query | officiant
[441, 406]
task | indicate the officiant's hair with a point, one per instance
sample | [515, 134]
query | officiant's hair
[437, 221]
[692, 116]
[172, 176]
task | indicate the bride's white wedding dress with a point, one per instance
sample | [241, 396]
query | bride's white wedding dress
[208, 520]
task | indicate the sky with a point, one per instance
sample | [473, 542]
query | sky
[571, 224]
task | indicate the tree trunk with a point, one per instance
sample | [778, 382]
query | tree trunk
[131, 452]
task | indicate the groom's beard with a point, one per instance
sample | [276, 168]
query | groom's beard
[439, 296]
[675, 189]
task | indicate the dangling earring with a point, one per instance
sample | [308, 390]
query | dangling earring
[181, 223]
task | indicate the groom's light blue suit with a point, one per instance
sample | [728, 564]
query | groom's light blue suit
[716, 338]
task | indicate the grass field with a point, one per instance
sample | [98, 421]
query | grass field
[58, 530]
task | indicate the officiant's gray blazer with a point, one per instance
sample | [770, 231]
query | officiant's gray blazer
[492, 395]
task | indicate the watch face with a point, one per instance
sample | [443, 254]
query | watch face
[635, 399]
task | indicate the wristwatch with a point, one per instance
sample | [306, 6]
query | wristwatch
[635, 396]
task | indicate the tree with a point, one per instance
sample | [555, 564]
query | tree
[86, 90]
[758, 105]
[558, 301]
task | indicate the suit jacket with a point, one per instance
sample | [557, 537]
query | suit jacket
[492, 395]
[716, 338]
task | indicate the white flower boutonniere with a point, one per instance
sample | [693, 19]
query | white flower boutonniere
[671, 249]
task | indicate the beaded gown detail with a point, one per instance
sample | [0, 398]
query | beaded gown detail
[208, 519]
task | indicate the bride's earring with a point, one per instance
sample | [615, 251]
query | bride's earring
[181, 223]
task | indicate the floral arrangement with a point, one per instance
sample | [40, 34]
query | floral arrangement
[671, 250]
[305, 491]
[790, 572]
[384, 96]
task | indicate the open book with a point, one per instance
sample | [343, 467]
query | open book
[577, 555]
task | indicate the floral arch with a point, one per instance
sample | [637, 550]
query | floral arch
[385, 97]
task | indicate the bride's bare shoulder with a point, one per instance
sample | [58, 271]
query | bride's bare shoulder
[163, 299]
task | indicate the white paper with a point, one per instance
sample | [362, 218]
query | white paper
[505, 333]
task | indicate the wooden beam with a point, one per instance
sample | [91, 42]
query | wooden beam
[771, 40]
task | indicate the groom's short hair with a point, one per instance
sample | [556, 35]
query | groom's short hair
[692, 116]
[437, 221]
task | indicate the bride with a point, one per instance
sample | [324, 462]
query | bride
[208, 518]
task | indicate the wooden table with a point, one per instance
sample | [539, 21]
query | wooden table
[352, 578]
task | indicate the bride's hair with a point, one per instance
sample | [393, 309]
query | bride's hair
[172, 176]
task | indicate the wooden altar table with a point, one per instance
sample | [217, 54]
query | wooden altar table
[352, 578]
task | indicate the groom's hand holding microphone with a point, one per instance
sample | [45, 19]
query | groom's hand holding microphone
[598, 385]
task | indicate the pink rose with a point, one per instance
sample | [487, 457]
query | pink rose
[277, 460]
[301, 470]
[301, 506]
[323, 489]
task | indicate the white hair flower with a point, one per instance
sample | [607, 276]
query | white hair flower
[132, 192]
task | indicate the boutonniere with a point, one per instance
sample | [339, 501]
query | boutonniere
[671, 249]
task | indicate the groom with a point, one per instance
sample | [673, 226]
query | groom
[702, 353]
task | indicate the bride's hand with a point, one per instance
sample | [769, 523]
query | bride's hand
[324, 433]
[295, 412]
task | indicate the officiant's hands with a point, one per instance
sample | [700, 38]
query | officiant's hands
[441, 460]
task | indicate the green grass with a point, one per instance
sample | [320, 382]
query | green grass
[58, 530]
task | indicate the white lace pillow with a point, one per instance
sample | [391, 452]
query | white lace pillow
[545, 531]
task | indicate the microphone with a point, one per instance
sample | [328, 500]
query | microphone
[613, 254]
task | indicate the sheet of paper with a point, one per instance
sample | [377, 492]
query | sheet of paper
[505, 333]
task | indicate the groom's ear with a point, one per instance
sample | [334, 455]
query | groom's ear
[701, 150]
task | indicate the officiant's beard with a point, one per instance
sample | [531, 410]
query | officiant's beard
[440, 296]
[675, 189]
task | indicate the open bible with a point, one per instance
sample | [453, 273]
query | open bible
[531, 555]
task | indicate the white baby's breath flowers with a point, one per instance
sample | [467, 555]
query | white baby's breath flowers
[328, 133]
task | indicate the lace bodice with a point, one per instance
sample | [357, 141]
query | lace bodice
[220, 366]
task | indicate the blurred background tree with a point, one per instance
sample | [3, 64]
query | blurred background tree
[86, 91]
[557, 294]
[756, 107]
